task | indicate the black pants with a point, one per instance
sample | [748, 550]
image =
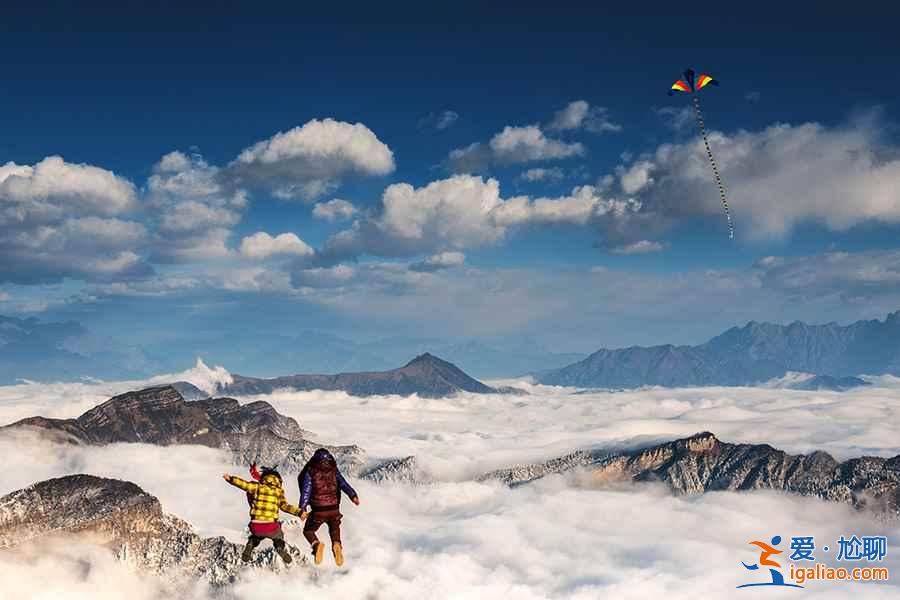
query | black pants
[276, 536]
[315, 520]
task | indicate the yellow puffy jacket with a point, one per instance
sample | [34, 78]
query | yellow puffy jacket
[267, 498]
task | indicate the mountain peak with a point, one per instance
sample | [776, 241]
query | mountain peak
[425, 357]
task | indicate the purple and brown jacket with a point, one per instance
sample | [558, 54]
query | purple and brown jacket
[321, 483]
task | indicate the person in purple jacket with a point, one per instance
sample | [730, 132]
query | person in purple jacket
[321, 484]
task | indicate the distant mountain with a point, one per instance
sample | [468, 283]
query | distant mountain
[253, 432]
[131, 523]
[752, 354]
[32, 349]
[827, 382]
[701, 463]
[425, 375]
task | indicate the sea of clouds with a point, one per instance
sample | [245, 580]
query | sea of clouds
[460, 539]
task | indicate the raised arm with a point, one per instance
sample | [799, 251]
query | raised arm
[237, 482]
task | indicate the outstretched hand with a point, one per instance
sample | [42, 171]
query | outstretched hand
[226, 476]
[355, 500]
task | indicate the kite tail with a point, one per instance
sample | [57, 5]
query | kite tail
[714, 165]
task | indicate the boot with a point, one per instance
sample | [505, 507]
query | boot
[247, 554]
[338, 553]
[282, 551]
[318, 551]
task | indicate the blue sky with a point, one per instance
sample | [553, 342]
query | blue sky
[462, 118]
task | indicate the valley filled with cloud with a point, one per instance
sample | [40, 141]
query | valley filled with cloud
[560, 537]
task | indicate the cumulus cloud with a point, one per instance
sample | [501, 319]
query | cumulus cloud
[334, 210]
[636, 177]
[513, 145]
[462, 212]
[307, 162]
[261, 245]
[60, 219]
[442, 260]
[53, 188]
[777, 178]
[193, 209]
[581, 115]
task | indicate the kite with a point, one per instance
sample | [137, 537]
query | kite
[691, 86]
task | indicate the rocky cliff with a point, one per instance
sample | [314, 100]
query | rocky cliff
[122, 517]
[253, 432]
[702, 463]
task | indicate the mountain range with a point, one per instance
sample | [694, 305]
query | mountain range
[426, 375]
[747, 355]
[702, 463]
[65, 351]
[253, 432]
[32, 349]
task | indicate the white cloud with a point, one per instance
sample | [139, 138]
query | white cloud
[636, 177]
[193, 209]
[324, 277]
[307, 162]
[562, 538]
[334, 210]
[639, 247]
[462, 212]
[60, 219]
[848, 275]
[261, 245]
[523, 144]
[778, 178]
[53, 188]
[446, 119]
[581, 115]
[442, 260]
[678, 118]
[439, 121]
[513, 145]
[198, 246]
[540, 174]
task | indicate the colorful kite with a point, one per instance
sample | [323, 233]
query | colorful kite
[691, 86]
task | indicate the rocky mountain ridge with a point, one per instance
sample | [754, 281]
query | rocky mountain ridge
[253, 432]
[702, 463]
[698, 464]
[130, 523]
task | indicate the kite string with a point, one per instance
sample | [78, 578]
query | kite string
[714, 165]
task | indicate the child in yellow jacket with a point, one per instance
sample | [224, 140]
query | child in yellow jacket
[267, 499]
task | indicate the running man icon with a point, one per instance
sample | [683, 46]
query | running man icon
[766, 551]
